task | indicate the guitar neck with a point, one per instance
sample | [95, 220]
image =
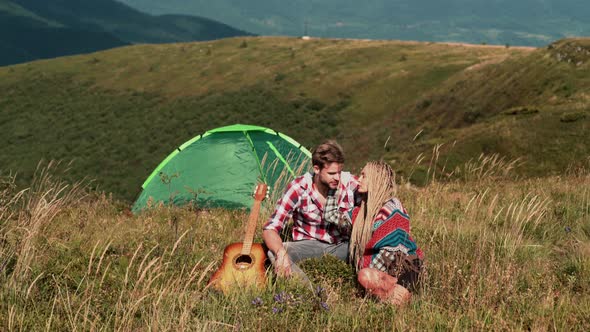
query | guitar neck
[251, 228]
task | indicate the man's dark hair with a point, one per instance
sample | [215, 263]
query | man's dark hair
[327, 152]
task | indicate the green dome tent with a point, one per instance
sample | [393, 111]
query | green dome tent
[221, 168]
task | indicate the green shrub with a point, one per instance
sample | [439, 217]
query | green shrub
[519, 110]
[315, 105]
[279, 77]
[470, 116]
[572, 116]
[424, 103]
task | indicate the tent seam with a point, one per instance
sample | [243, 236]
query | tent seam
[247, 134]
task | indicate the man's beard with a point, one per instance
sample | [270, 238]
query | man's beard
[328, 185]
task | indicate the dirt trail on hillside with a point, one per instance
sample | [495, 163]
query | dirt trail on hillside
[493, 60]
[487, 62]
[523, 48]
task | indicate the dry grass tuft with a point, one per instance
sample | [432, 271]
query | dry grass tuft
[500, 255]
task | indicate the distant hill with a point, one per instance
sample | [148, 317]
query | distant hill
[118, 113]
[31, 29]
[25, 39]
[522, 22]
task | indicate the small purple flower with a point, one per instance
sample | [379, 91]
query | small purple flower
[324, 306]
[319, 290]
[276, 310]
[257, 301]
[281, 297]
[568, 229]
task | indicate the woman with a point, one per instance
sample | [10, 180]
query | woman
[387, 259]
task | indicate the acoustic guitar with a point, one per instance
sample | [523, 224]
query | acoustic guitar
[243, 263]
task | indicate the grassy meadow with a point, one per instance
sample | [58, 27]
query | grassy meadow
[490, 143]
[502, 253]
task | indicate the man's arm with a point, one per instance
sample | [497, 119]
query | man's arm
[270, 234]
[273, 241]
[282, 262]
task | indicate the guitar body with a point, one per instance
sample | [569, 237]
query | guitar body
[240, 270]
[243, 263]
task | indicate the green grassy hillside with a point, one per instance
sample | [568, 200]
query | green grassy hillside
[118, 113]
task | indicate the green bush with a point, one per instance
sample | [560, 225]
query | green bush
[315, 105]
[519, 110]
[279, 77]
[572, 116]
[470, 116]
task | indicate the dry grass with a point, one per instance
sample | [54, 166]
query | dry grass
[40, 204]
[500, 255]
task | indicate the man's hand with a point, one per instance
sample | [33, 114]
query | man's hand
[282, 263]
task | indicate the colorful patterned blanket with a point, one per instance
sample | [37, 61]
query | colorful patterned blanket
[392, 232]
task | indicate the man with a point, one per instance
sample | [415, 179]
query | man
[309, 200]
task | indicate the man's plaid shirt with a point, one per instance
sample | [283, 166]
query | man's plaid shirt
[301, 203]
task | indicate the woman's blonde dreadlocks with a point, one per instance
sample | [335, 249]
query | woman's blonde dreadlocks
[380, 181]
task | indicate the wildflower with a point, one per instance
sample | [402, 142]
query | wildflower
[257, 301]
[276, 310]
[324, 306]
[567, 229]
[319, 290]
[282, 297]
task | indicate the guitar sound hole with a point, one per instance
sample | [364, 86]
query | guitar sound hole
[243, 261]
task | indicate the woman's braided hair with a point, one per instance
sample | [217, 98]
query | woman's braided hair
[380, 181]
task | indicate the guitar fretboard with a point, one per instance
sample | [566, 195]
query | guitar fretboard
[252, 219]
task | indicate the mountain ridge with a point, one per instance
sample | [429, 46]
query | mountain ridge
[33, 30]
[526, 22]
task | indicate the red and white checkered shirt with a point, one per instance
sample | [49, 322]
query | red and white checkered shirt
[301, 203]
